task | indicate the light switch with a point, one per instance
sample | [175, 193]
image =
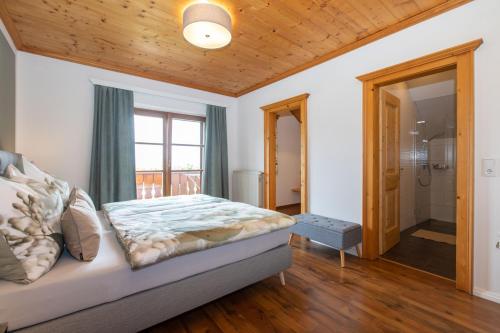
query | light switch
[489, 167]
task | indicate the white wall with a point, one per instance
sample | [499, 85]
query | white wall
[7, 91]
[55, 112]
[335, 121]
[407, 119]
[288, 154]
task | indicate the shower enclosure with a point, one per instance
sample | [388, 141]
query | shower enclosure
[435, 170]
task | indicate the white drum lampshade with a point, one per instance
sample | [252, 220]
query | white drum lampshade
[207, 26]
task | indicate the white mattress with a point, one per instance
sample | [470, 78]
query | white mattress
[73, 285]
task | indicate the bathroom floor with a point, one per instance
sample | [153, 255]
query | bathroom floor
[424, 254]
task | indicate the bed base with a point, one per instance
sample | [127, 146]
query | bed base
[147, 308]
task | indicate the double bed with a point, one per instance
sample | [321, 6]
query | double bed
[107, 295]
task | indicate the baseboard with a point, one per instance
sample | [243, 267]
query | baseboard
[486, 294]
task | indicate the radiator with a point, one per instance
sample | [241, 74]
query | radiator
[248, 187]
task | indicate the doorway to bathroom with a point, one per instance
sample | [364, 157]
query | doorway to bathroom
[381, 170]
[418, 137]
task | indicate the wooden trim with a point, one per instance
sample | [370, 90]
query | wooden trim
[437, 10]
[465, 171]
[462, 59]
[303, 156]
[123, 69]
[439, 55]
[371, 170]
[270, 119]
[286, 105]
[296, 114]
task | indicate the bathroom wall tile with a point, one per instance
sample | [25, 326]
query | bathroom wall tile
[443, 212]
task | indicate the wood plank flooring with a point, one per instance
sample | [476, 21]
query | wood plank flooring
[430, 256]
[319, 296]
[293, 209]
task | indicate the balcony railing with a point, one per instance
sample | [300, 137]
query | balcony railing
[150, 183]
[185, 182]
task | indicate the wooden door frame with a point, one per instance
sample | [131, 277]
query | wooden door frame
[270, 119]
[460, 58]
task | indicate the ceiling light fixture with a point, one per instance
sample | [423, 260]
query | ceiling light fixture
[207, 26]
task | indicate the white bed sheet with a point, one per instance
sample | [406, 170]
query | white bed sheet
[73, 285]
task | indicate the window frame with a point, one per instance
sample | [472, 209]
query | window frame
[167, 144]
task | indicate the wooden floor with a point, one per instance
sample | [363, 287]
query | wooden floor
[428, 255]
[289, 209]
[366, 296]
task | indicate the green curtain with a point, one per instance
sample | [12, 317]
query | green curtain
[215, 178]
[112, 169]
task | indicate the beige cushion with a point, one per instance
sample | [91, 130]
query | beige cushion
[81, 229]
[82, 195]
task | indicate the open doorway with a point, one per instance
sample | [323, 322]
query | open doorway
[380, 189]
[418, 121]
[288, 162]
[286, 115]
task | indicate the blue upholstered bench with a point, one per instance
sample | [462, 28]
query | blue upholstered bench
[338, 234]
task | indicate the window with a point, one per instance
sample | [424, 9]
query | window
[168, 153]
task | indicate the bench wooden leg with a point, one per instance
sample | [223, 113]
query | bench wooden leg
[290, 238]
[358, 250]
[282, 278]
[342, 258]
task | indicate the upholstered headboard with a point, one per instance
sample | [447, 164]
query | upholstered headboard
[7, 158]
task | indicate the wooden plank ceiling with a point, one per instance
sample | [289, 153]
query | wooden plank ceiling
[271, 39]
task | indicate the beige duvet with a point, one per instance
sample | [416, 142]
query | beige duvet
[157, 229]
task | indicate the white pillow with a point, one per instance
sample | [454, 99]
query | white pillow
[30, 229]
[32, 171]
